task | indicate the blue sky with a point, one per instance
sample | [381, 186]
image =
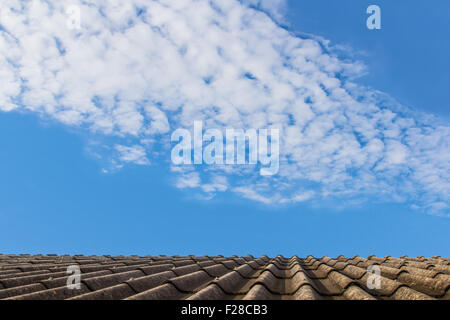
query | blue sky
[406, 58]
[65, 189]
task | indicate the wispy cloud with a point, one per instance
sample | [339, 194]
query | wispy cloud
[135, 154]
[138, 69]
[276, 9]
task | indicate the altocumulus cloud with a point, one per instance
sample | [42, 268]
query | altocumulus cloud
[136, 70]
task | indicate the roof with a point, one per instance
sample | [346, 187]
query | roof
[45, 277]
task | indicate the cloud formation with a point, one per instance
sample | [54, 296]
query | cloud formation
[138, 69]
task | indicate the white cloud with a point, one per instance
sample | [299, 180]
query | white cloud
[275, 8]
[135, 154]
[250, 193]
[138, 69]
[188, 180]
[217, 184]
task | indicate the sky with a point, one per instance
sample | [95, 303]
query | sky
[86, 116]
[406, 58]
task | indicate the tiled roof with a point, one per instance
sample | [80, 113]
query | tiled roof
[218, 277]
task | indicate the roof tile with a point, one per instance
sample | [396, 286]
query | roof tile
[219, 277]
